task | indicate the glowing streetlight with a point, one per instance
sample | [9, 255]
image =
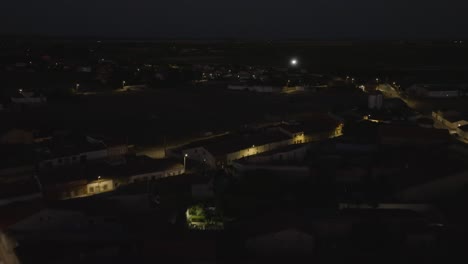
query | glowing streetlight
[185, 160]
[98, 184]
[77, 87]
[123, 84]
[294, 62]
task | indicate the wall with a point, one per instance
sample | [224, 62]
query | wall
[293, 155]
[74, 159]
[100, 186]
[255, 150]
[156, 175]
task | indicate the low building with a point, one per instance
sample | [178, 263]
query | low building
[435, 90]
[450, 119]
[319, 127]
[91, 179]
[222, 150]
[78, 150]
[290, 153]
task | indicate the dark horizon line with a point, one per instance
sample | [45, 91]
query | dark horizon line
[225, 39]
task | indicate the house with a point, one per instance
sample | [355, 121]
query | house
[82, 180]
[289, 153]
[77, 149]
[317, 127]
[435, 90]
[450, 119]
[222, 150]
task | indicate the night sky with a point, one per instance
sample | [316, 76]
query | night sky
[318, 19]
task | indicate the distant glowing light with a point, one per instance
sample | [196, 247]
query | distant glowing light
[294, 62]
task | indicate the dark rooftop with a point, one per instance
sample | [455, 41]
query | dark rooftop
[69, 146]
[133, 166]
[233, 142]
[282, 149]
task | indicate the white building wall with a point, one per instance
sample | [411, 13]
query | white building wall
[256, 150]
[100, 186]
[156, 175]
[75, 159]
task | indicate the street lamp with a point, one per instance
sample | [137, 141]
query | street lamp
[185, 161]
[294, 62]
[123, 84]
[77, 87]
[98, 184]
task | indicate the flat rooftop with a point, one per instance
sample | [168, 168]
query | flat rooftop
[281, 150]
[234, 142]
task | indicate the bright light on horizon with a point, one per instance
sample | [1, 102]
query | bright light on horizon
[294, 62]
